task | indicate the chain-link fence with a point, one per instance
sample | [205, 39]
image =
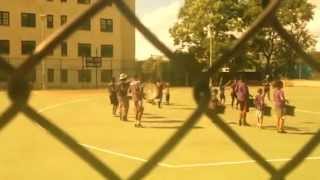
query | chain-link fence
[19, 92]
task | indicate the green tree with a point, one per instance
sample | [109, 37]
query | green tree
[294, 15]
[228, 18]
[222, 16]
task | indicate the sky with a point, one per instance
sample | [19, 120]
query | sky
[159, 16]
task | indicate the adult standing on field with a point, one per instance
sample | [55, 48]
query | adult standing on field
[122, 95]
[113, 96]
[242, 92]
[136, 89]
[279, 104]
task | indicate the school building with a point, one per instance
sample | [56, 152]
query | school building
[25, 23]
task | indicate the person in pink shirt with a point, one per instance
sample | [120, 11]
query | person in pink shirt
[242, 92]
[279, 104]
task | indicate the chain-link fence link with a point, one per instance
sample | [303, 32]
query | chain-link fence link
[19, 92]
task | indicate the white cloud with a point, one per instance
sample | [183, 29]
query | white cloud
[158, 21]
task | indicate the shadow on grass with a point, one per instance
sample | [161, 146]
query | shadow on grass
[170, 127]
[153, 117]
[186, 108]
[289, 129]
[162, 121]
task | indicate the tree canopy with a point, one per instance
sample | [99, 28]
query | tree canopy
[227, 19]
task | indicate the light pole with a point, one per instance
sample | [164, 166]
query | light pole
[43, 63]
[210, 36]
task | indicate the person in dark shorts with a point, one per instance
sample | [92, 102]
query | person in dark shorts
[222, 94]
[159, 86]
[166, 92]
[113, 96]
[233, 94]
[136, 89]
[279, 105]
[123, 98]
[242, 92]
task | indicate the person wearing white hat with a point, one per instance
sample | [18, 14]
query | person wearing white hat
[123, 98]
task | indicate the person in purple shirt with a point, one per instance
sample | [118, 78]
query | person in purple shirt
[279, 104]
[242, 93]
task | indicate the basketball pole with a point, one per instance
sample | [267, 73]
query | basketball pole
[96, 70]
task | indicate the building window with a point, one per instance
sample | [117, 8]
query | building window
[63, 19]
[84, 1]
[50, 75]
[86, 25]
[84, 49]
[28, 20]
[107, 50]
[64, 75]
[106, 75]
[27, 47]
[49, 21]
[106, 25]
[4, 47]
[84, 75]
[64, 49]
[4, 18]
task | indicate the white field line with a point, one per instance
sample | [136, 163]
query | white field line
[307, 111]
[193, 165]
[123, 155]
[166, 164]
[63, 104]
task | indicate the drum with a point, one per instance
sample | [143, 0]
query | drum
[150, 91]
[267, 111]
[289, 110]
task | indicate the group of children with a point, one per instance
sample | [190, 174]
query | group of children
[121, 92]
[240, 96]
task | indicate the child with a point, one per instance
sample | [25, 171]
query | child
[266, 87]
[222, 95]
[259, 103]
[166, 92]
[233, 94]
[279, 105]
[159, 86]
[214, 102]
[136, 89]
[113, 96]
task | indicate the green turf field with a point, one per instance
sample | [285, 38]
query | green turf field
[29, 152]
